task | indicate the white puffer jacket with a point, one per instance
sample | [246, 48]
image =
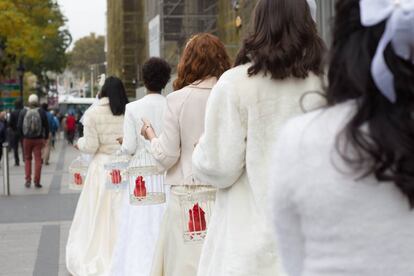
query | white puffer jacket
[101, 129]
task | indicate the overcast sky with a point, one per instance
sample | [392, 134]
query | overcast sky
[84, 16]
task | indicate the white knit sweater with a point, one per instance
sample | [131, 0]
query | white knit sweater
[328, 222]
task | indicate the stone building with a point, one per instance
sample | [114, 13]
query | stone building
[139, 28]
[126, 41]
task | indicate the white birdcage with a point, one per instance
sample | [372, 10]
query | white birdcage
[196, 203]
[78, 170]
[146, 181]
[116, 172]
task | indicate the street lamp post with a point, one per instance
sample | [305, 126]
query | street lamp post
[21, 71]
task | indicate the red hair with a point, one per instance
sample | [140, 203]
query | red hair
[204, 56]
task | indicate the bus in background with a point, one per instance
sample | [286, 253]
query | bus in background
[74, 105]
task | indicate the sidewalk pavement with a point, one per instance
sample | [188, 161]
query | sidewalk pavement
[34, 223]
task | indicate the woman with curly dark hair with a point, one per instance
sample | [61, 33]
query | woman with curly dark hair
[343, 193]
[139, 226]
[203, 61]
[280, 60]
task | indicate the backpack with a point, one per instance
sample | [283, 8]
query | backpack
[32, 124]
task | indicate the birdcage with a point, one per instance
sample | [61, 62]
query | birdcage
[196, 203]
[78, 170]
[146, 181]
[116, 172]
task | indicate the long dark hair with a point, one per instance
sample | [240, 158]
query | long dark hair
[387, 149]
[114, 89]
[284, 41]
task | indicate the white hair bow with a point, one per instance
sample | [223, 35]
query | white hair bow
[313, 8]
[399, 31]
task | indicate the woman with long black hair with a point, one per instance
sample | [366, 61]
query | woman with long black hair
[94, 228]
[343, 186]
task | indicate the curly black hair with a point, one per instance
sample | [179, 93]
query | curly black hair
[156, 73]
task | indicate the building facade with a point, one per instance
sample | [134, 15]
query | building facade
[126, 41]
[137, 29]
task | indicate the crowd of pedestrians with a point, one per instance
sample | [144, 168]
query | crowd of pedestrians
[329, 192]
[36, 127]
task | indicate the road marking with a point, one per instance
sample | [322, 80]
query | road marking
[57, 178]
[47, 261]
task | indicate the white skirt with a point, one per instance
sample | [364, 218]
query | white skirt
[137, 237]
[173, 256]
[94, 228]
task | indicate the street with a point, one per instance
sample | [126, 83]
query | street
[34, 223]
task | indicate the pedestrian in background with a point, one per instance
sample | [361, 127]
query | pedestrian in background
[55, 128]
[34, 128]
[70, 124]
[15, 137]
[279, 62]
[203, 61]
[342, 196]
[52, 129]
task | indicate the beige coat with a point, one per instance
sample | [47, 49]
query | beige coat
[101, 129]
[183, 126]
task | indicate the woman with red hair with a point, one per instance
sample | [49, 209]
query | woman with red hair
[203, 61]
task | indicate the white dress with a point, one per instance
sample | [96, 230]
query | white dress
[329, 221]
[139, 225]
[94, 228]
[243, 118]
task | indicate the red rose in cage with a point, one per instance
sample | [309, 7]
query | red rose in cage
[116, 177]
[140, 189]
[78, 178]
[197, 219]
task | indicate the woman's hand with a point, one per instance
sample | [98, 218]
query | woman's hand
[120, 140]
[76, 147]
[147, 131]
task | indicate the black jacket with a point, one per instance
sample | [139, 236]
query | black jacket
[14, 119]
[45, 124]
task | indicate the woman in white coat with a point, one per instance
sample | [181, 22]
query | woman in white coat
[343, 185]
[204, 60]
[279, 62]
[139, 225]
[94, 228]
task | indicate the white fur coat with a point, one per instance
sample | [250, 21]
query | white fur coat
[243, 118]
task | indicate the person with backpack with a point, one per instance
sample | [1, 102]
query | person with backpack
[70, 128]
[34, 128]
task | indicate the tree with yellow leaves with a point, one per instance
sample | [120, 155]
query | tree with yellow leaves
[33, 31]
